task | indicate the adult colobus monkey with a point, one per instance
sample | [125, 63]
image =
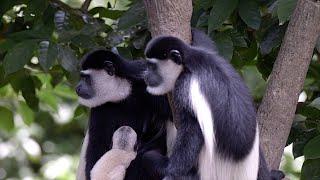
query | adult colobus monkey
[115, 91]
[217, 131]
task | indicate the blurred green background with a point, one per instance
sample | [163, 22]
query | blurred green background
[41, 42]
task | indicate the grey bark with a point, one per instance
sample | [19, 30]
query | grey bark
[278, 106]
[170, 17]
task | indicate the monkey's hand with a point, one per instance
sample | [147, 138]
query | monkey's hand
[277, 175]
[109, 164]
[155, 163]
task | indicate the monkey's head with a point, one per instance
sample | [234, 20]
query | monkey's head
[124, 138]
[165, 55]
[105, 77]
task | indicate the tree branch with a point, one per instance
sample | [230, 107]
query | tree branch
[278, 106]
[85, 5]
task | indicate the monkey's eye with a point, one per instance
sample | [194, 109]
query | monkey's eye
[175, 56]
[108, 66]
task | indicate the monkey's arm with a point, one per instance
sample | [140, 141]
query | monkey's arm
[187, 146]
[185, 152]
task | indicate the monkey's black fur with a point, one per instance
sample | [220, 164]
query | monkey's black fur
[144, 113]
[229, 100]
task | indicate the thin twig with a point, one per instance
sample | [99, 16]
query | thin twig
[85, 5]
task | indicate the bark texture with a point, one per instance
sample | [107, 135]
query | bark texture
[278, 106]
[168, 17]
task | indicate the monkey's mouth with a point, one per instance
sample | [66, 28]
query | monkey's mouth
[82, 93]
[151, 76]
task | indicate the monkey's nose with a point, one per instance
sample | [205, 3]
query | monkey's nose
[78, 89]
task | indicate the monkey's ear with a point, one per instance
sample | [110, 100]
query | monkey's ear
[108, 66]
[175, 56]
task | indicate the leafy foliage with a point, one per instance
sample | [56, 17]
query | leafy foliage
[42, 42]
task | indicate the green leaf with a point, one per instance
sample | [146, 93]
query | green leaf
[302, 137]
[6, 119]
[311, 170]
[254, 81]
[106, 13]
[20, 81]
[315, 103]
[220, 11]
[83, 41]
[67, 59]
[7, 5]
[238, 39]
[285, 9]
[125, 52]
[312, 148]
[135, 15]
[57, 75]
[18, 56]
[29, 93]
[48, 52]
[297, 128]
[203, 20]
[25, 112]
[122, 4]
[49, 98]
[224, 44]
[250, 13]
[80, 110]
[310, 110]
[35, 8]
[6, 45]
[272, 39]
[206, 4]
[32, 34]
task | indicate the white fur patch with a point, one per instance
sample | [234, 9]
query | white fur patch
[169, 71]
[171, 136]
[204, 116]
[107, 88]
[246, 169]
[81, 174]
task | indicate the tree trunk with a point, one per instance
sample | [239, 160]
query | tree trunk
[168, 17]
[278, 106]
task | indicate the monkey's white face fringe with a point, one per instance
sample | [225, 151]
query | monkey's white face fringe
[169, 71]
[107, 88]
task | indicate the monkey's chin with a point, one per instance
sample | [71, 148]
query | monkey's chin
[158, 90]
[90, 103]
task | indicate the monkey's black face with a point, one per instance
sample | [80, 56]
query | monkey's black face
[100, 81]
[84, 88]
[165, 57]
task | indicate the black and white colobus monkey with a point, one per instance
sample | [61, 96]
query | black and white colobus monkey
[115, 91]
[217, 131]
